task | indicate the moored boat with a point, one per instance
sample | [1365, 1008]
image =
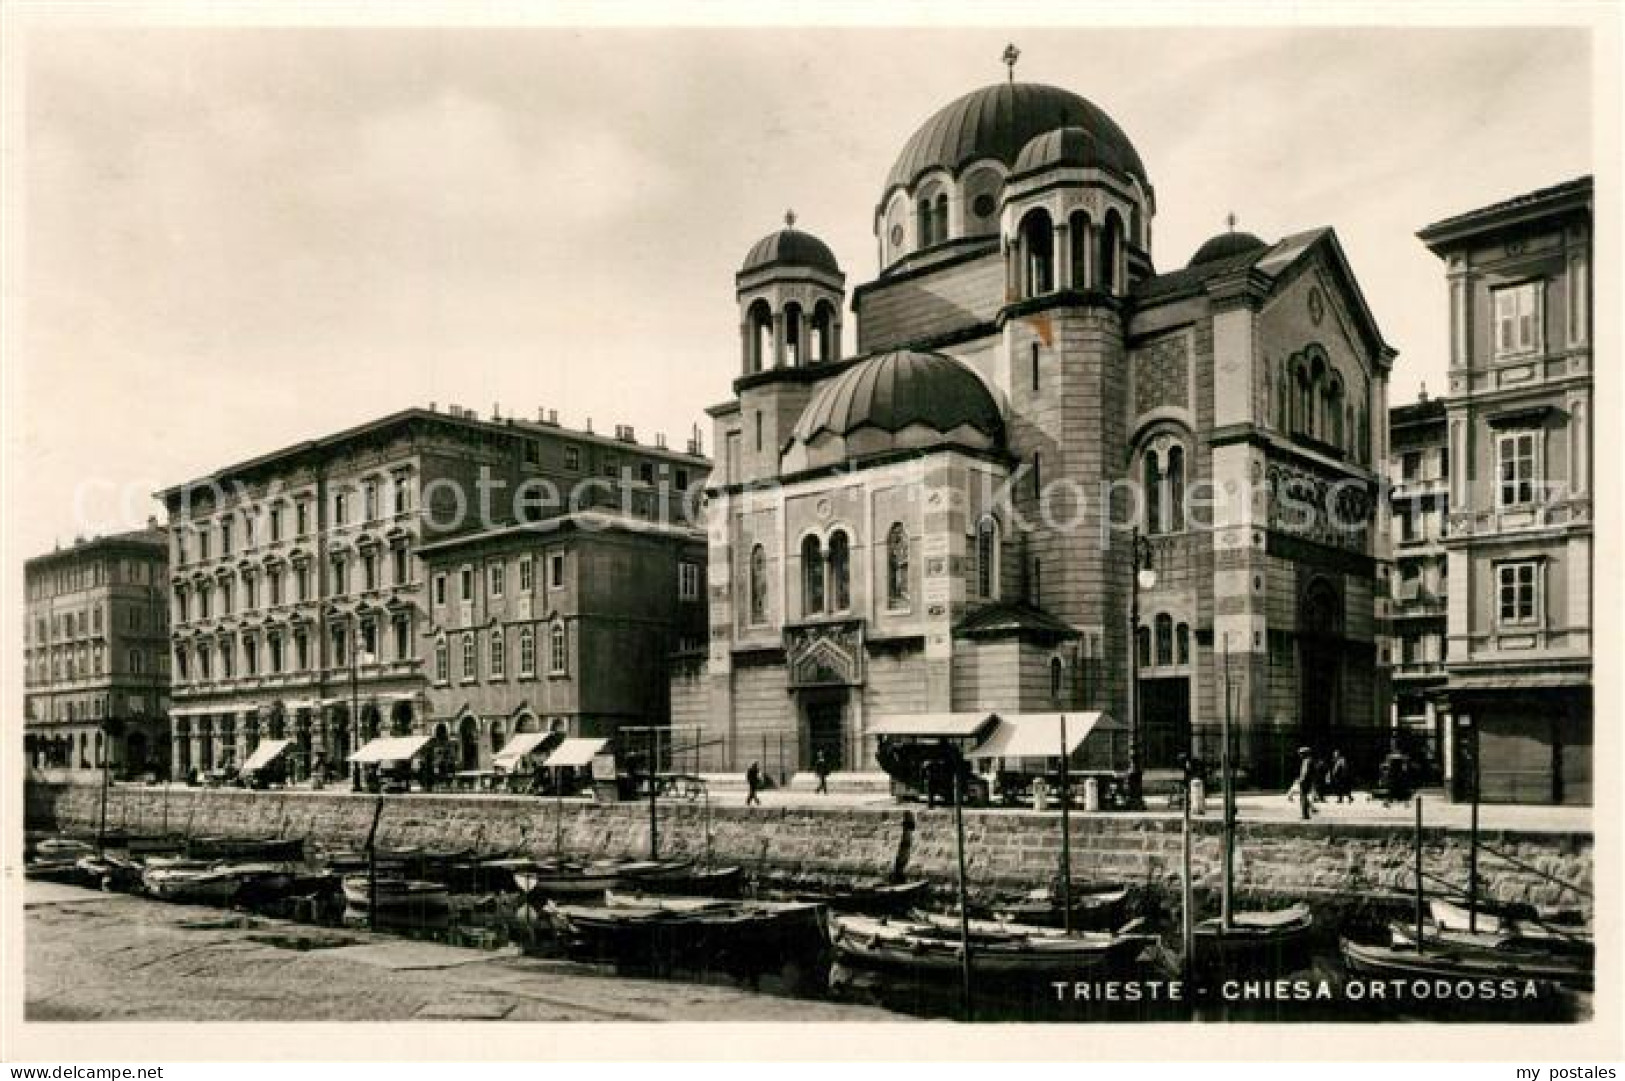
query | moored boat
[933, 948]
[1401, 959]
[394, 893]
[1260, 941]
[561, 878]
[1094, 907]
[246, 848]
[192, 884]
[690, 933]
[874, 898]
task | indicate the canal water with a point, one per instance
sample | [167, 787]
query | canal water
[1152, 988]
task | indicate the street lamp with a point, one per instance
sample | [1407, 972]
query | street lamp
[1145, 577]
[358, 657]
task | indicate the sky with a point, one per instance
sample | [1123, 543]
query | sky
[235, 239]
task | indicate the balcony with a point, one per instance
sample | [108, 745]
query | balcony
[1417, 670]
[1418, 488]
[1529, 518]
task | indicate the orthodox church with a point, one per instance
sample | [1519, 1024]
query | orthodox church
[1045, 468]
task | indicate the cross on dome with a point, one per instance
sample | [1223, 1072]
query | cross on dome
[1011, 55]
[789, 219]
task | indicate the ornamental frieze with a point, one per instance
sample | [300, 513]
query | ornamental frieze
[824, 654]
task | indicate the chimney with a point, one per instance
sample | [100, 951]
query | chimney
[496, 410]
[624, 433]
[1422, 395]
[553, 417]
[589, 425]
[434, 407]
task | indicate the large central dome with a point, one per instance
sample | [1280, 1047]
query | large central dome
[996, 122]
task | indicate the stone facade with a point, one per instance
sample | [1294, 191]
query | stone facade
[298, 592]
[1338, 866]
[1255, 374]
[96, 655]
[1419, 512]
[563, 625]
[1519, 545]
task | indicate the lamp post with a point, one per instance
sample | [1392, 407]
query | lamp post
[357, 657]
[1144, 577]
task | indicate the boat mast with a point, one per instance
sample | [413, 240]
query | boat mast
[1420, 903]
[1066, 833]
[1227, 854]
[956, 763]
[1472, 846]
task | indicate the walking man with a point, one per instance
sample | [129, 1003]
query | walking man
[1337, 779]
[1306, 782]
[821, 767]
[753, 783]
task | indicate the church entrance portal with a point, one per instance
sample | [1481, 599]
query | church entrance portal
[824, 731]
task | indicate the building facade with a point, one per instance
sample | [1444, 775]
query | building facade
[301, 609]
[1519, 546]
[946, 520]
[563, 625]
[96, 655]
[1419, 510]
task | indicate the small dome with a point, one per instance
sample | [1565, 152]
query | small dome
[790, 247]
[996, 122]
[1224, 246]
[1072, 147]
[892, 392]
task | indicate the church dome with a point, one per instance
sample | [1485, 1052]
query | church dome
[1224, 246]
[997, 121]
[916, 395]
[790, 247]
[1072, 147]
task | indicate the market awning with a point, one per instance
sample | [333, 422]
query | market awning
[390, 749]
[575, 752]
[1038, 735]
[519, 746]
[932, 725]
[267, 752]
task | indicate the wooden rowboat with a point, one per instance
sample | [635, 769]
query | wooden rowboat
[932, 949]
[1401, 959]
[1272, 942]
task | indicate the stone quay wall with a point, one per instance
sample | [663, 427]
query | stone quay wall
[1336, 865]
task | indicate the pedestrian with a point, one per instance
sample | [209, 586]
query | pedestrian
[1305, 783]
[821, 767]
[1337, 779]
[753, 784]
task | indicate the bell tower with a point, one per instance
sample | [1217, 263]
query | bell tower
[791, 295]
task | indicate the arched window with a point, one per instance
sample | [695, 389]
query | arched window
[499, 656]
[758, 336]
[1153, 494]
[497, 736]
[1142, 646]
[1165, 639]
[758, 585]
[940, 218]
[821, 348]
[469, 659]
[1055, 679]
[1304, 406]
[1111, 246]
[1078, 228]
[1038, 254]
[840, 572]
[1175, 485]
[1334, 411]
[897, 566]
[794, 354]
[527, 652]
[558, 650]
[1283, 395]
[987, 557]
[812, 576]
[1182, 644]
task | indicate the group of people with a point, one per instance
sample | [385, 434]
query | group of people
[756, 780]
[1318, 779]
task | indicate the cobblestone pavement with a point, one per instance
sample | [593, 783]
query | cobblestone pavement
[112, 957]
